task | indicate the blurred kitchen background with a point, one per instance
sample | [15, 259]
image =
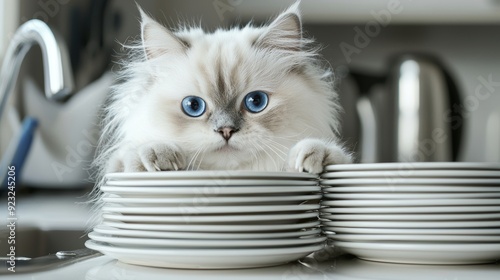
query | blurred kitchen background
[448, 50]
[419, 80]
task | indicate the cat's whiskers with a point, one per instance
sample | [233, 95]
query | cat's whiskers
[193, 159]
[275, 150]
[278, 156]
[258, 153]
[311, 129]
[255, 159]
[270, 139]
[190, 161]
[291, 137]
[202, 157]
[268, 154]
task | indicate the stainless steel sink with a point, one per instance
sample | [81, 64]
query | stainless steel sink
[40, 250]
[34, 242]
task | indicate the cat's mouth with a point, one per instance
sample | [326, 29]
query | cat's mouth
[226, 148]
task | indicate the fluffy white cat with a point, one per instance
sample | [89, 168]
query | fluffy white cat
[251, 98]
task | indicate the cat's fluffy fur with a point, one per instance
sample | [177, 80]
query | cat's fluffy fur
[146, 129]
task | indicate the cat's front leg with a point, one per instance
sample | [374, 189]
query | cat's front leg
[156, 156]
[312, 155]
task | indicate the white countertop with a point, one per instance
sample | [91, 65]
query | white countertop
[341, 268]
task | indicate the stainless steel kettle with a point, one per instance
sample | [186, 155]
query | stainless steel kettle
[411, 113]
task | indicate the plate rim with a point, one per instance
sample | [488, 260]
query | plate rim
[211, 174]
[452, 247]
[361, 230]
[217, 199]
[405, 202]
[401, 196]
[218, 242]
[407, 188]
[415, 165]
[213, 209]
[160, 234]
[352, 237]
[408, 181]
[218, 228]
[413, 217]
[430, 174]
[218, 218]
[427, 209]
[204, 183]
[213, 252]
[200, 190]
[414, 224]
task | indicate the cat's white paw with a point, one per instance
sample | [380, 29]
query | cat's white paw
[312, 155]
[153, 157]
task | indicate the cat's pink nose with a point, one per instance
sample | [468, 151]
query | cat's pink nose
[227, 132]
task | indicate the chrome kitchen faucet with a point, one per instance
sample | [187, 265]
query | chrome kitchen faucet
[57, 68]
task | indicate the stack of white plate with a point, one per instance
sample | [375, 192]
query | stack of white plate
[429, 213]
[209, 219]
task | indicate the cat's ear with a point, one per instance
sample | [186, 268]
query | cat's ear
[158, 40]
[285, 32]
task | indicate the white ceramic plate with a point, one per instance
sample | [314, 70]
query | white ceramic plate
[413, 174]
[420, 202]
[415, 225]
[410, 181]
[213, 228]
[205, 258]
[410, 217]
[407, 196]
[209, 200]
[406, 166]
[412, 210]
[413, 238]
[206, 191]
[415, 231]
[220, 175]
[188, 210]
[203, 183]
[204, 243]
[421, 253]
[290, 217]
[411, 189]
[205, 235]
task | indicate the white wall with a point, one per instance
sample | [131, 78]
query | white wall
[2, 28]
[349, 11]
[9, 13]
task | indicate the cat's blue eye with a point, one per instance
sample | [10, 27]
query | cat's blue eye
[256, 101]
[193, 106]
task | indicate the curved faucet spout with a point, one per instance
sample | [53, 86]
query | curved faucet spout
[57, 68]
